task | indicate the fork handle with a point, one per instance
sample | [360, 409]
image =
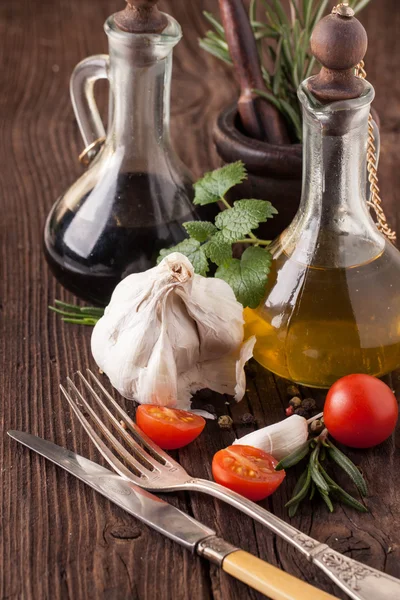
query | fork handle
[359, 581]
[269, 580]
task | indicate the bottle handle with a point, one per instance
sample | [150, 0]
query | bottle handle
[83, 78]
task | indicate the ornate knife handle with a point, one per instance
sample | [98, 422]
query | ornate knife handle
[359, 581]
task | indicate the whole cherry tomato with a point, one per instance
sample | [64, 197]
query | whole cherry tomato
[247, 470]
[360, 411]
[170, 428]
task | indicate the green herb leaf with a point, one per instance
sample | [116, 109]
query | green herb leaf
[78, 315]
[87, 321]
[341, 494]
[214, 22]
[215, 184]
[270, 97]
[247, 276]
[302, 493]
[293, 509]
[212, 48]
[326, 499]
[315, 474]
[218, 249]
[346, 498]
[359, 5]
[69, 307]
[200, 230]
[349, 467]
[245, 216]
[92, 311]
[295, 457]
[313, 490]
[194, 252]
[299, 485]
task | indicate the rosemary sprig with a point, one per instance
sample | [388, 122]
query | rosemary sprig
[283, 42]
[315, 478]
[78, 315]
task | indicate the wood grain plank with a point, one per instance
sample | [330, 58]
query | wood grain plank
[58, 539]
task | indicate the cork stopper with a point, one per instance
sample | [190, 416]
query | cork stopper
[339, 42]
[141, 16]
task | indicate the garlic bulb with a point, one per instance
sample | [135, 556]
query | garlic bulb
[279, 439]
[168, 333]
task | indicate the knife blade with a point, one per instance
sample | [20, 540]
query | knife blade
[143, 505]
[175, 524]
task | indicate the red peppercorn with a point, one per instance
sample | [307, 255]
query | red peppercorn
[289, 411]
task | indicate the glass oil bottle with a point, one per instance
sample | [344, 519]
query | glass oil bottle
[332, 303]
[136, 194]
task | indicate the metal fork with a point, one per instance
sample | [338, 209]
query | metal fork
[153, 469]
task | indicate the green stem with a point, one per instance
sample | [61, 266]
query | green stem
[225, 202]
[255, 240]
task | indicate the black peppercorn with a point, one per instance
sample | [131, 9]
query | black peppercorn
[296, 402]
[301, 412]
[248, 419]
[293, 390]
[309, 404]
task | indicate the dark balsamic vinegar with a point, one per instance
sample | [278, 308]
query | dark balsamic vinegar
[101, 240]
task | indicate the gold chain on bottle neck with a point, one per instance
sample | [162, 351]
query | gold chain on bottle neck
[375, 201]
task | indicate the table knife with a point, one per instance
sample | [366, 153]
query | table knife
[175, 524]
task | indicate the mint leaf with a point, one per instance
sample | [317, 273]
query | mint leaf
[260, 209]
[218, 249]
[216, 184]
[247, 276]
[194, 252]
[245, 216]
[200, 230]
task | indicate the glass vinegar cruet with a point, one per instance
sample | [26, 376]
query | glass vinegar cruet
[136, 193]
[332, 303]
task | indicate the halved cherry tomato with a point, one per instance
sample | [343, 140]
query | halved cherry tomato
[360, 411]
[248, 471]
[170, 428]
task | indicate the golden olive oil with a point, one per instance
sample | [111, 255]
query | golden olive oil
[319, 324]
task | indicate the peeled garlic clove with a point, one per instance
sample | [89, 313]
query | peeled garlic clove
[279, 439]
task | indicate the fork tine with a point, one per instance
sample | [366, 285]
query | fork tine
[155, 450]
[131, 460]
[150, 462]
[112, 460]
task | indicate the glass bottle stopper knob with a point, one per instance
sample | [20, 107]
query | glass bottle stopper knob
[141, 16]
[339, 42]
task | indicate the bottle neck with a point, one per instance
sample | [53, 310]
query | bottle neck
[333, 224]
[140, 103]
[140, 84]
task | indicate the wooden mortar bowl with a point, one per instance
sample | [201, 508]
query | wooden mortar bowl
[274, 172]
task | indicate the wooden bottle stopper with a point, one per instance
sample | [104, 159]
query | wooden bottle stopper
[339, 42]
[141, 16]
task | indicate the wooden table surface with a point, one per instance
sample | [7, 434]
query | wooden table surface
[59, 539]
